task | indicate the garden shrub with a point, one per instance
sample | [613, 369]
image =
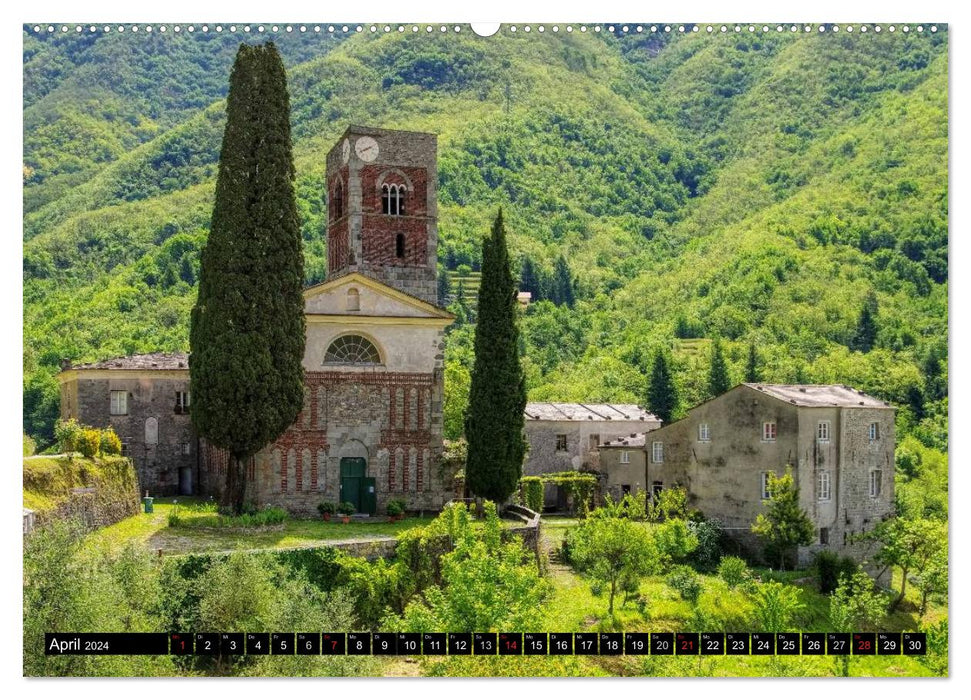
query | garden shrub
[110, 443]
[89, 442]
[67, 433]
[685, 581]
[707, 554]
[675, 541]
[263, 518]
[532, 488]
[828, 567]
[733, 571]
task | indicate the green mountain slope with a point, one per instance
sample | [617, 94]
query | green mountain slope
[759, 188]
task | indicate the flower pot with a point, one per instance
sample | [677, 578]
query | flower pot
[345, 519]
[327, 517]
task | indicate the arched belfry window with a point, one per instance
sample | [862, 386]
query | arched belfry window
[393, 200]
[353, 300]
[399, 245]
[352, 350]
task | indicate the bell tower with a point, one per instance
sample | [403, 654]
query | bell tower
[382, 218]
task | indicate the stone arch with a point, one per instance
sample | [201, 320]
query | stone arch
[353, 447]
[383, 177]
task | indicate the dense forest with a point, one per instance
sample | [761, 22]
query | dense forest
[784, 193]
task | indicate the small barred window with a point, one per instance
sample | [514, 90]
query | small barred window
[352, 350]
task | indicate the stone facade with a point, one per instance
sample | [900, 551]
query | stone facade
[839, 442]
[623, 464]
[567, 436]
[399, 249]
[155, 427]
[383, 414]
[374, 358]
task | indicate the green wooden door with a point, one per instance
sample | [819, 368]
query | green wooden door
[353, 471]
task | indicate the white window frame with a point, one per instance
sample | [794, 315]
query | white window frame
[657, 452]
[186, 448]
[119, 403]
[704, 432]
[764, 489]
[873, 432]
[565, 441]
[769, 431]
[625, 457]
[823, 431]
[824, 486]
[876, 483]
[183, 400]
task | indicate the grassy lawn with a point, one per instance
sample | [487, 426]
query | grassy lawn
[153, 532]
[659, 608]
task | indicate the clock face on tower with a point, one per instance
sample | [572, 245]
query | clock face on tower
[346, 151]
[366, 149]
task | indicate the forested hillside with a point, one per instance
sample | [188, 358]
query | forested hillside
[780, 191]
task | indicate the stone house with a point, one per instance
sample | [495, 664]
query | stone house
[567, 436]
[146, 400]
[623, 464]
[839, 442]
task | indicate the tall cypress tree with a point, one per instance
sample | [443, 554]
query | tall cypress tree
[247, 330]
[497, 397]
[662, 394]
[562, 283]
[865, 336]
[718, 380]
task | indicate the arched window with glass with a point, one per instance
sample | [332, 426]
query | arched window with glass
[352, 349]
[393, 200]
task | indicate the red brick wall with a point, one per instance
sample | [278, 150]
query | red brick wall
[380, 232]
[380, 240]
[338, 246]
[371, 181]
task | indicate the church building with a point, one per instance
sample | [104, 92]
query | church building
[371, 425]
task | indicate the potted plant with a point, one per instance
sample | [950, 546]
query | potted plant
[326, 509]
[396, 509]
[346, 510]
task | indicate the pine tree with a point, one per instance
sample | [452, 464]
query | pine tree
[784, 525]
[247, 331]
[529, 280]
[866, 329]
[662, 395]
[497, 395]
[718, 379]
[562, 284]
[752, 372]
[444, 288]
